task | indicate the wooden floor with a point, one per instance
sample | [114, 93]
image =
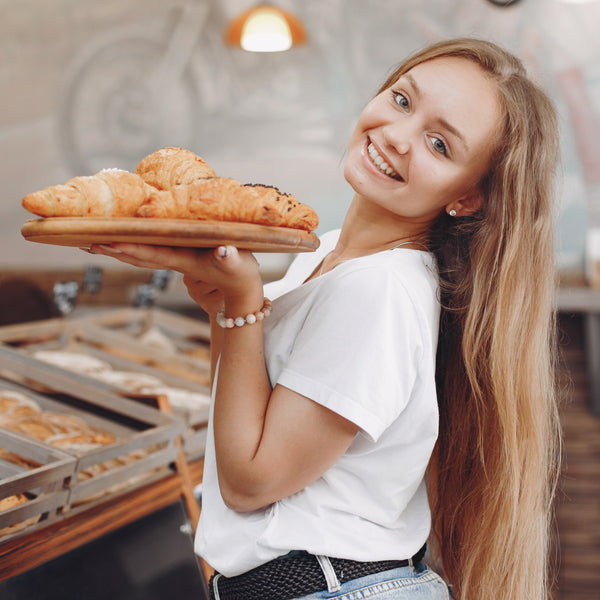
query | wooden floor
[578, 502]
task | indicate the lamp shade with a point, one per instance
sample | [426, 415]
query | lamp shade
[265, 28]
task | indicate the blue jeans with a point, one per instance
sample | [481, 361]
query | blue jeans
[405, 583]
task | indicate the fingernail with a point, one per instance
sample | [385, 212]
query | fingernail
[109, 249]
[222, 251]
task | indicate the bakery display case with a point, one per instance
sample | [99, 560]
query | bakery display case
[102, 423]
[115, 443]
[137, 352]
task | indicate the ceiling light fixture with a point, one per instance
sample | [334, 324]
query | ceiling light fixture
[265, 28]
[503, 2]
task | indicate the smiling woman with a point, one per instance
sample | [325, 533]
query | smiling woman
[433, 131]
[402, 376]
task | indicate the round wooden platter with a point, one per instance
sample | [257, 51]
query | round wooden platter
[82, 232]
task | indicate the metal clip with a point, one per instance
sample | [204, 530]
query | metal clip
[65, 295]
[92, 280]
[146, 295]
[160, 278]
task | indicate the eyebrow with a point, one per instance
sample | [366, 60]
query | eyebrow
[442, 121]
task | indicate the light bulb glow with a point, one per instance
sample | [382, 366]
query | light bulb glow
[266, 30]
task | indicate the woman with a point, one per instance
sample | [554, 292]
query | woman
[324, 431]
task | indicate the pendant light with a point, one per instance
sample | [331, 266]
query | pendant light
[265, 28]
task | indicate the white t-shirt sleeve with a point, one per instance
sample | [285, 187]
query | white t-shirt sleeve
[358, 351]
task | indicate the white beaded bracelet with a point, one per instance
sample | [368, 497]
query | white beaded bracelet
[259, 315]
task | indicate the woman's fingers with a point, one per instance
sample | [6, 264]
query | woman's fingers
[122, 257]
[203, 287]
[230, 260]
[183, 260]
[223, 267]
[205, 294]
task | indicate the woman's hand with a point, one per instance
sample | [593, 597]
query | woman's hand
[213, 277]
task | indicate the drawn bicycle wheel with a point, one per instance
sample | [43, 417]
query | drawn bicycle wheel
[115, 109]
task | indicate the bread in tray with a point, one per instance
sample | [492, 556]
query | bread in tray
[67, 432]
[131, 382]
[19, 461]
[18, 499]
[54, 428]
[16, 404]
[171, 183]
[11, 502]
[72, 361]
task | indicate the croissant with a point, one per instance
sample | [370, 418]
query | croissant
[171, 183]
[109, 193]
[223, 199]
[168, 167]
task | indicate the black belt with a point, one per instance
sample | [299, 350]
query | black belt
[297, 575]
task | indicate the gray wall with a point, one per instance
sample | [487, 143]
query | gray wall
[82, 89]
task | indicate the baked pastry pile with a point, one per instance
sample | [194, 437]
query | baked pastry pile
[22, 414]
[171, 183]
[132, 382]
[11, 502]
[67, 432]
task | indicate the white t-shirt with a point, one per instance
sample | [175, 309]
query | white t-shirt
[361, 341]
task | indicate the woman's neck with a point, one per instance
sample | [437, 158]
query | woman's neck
[368, 229]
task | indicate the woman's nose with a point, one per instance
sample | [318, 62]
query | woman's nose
[399, 137]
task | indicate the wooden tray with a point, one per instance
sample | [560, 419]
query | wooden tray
[82, 232]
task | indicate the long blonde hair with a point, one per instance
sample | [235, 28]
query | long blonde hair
[494, 471]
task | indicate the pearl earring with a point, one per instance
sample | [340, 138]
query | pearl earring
[452, 213]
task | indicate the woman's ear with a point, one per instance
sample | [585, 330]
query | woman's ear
[466, 205]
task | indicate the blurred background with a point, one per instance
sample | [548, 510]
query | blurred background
[88, 85]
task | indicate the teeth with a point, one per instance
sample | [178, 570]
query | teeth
[380, 163]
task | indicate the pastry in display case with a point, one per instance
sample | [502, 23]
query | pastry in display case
[113, 443]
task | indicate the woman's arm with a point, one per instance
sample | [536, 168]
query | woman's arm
[210, 299]
[269, 443]
[216, 344]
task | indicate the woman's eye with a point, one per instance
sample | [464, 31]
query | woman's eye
[439, 146]
[401, 100]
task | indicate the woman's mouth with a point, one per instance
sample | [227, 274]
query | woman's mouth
[380, 163]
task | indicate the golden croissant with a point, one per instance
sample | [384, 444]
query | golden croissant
[172, 166]
[109, 193]
[222, 199]
[171, 183]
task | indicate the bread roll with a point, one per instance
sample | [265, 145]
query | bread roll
[222, 199]
[16, 404]
[72, 361]
[109, 193]
[168, 167]
[12, 501]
